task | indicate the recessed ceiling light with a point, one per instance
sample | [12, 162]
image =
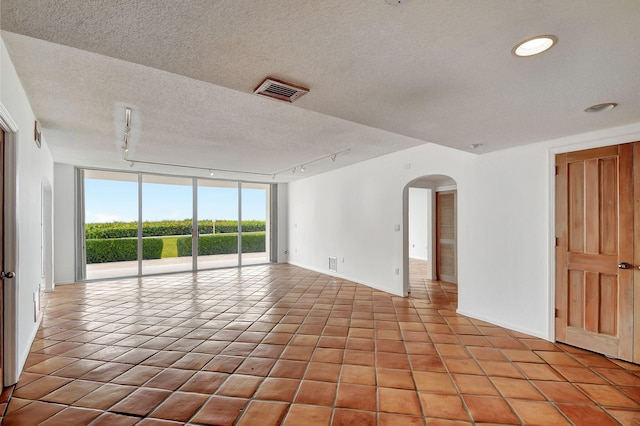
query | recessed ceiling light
[601, 107]
[534, 45]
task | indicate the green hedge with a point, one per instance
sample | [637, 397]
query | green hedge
[252, 242]
[122, 249]
[168, 227]
[231, 226]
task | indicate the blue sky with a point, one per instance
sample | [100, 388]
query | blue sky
[110, 200]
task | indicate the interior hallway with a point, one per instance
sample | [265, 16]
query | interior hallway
[279, 344]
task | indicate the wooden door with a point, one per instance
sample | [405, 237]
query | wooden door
[446, 249]
[1, 258]
[594, 246]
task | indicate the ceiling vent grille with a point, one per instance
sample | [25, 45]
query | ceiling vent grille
[280, 90]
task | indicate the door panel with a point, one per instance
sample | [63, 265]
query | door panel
[1, 258]
[446, 255]
[594, 225]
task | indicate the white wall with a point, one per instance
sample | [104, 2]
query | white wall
[283, 222]
[419, 222]
[355, 213]
[64, 226]
[34, 167]
[505, 224]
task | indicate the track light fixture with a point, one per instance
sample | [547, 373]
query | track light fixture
[128, 112]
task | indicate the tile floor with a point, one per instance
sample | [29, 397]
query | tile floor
[277, 344]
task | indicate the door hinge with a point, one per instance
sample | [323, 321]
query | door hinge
[556, 171]
[556, 313]
[557, 241]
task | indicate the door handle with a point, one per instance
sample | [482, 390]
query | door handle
[624, 265]
[6, 275]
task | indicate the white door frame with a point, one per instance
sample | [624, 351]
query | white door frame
[10, 128]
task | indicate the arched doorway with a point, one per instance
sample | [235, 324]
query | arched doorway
[430, 230]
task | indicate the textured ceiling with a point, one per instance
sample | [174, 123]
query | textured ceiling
[381, 77]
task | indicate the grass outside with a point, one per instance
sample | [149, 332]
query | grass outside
[170, 247]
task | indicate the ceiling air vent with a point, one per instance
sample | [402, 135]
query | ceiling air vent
[280, 90]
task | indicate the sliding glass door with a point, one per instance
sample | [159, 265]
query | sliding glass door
[110, 243]
[141, 224]
[167, 224]
[217, 224]
[255, 220]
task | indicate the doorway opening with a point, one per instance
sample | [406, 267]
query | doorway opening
[430, 233]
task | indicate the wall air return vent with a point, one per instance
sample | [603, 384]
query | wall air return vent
[280, 90]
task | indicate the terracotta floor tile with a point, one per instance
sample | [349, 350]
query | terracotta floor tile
[105, 396]
[206, 382]
[487, 353]
[562, 392]
[463, 366]
[40, 387]
[137, 375]
[452, 351]
[299, 347]
[220, 411]
[106, 372]
[51, 365]
[180, 406]
[539, 371]
[366, 358]
[72, 416]
[387, 419]
[263, 413]
[266, 350]
[538, 413]
[443, 406]
[490, 409]
[288, 369]
[517, 388]
[71, 392]
[500, 369]
[625, 417]
[277, 389]
[308, 415]
[618, 377]
[169, 379]
[32, 414]
[224, 364]
[400, 379]
[323, 372]
[585, 415]
[607, 395]
[316, 393]
[358, 374]
[392, 360]
[359, 397]
[474, 385]
[256, 366]
[580, 374]
[345, 417]
[193, 361]
[141, 402]
[557, 358]
[240, 386]
[519, 355]
[398, 401]
[110, 419]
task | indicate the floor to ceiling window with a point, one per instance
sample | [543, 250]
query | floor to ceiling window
[217, 224]
[255, 212]
[167, 219]
[142, 223]
[110, 224]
